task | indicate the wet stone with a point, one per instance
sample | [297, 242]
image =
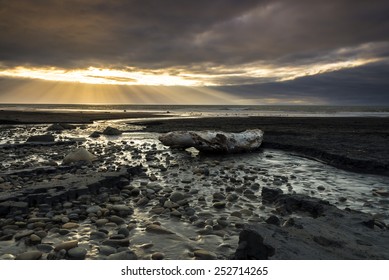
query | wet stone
[77, 253]
[117, 242]
[70, 225]
[106, 250]
[45, 248]
[22, 234]
[117, 220]
[35, 239]
[7, 257]
[101, 222]
[158, 256]
[219, 204]
[204, 255]
[93, 209]
[158, 229]
[32, 255]
[125, 255]
[66, 245]
[95, 235]
[273, 220]
[177, 196]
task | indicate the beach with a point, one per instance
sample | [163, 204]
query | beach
[316, 189]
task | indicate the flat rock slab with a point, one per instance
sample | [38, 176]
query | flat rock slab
[319, 231]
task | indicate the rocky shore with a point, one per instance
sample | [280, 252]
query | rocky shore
[134, 198]
[356, 144]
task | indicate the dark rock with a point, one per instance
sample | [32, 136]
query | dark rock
[158, 256]
[273, 220]
[270, 195]
[219, 204]
[297, 202]
[252, 247]
[125, 255]
[117, 242]
[177, 196]
[23, 233]
[67, 245]
[45, 248]
[95, 134]
[77, 253]
[41, 138]
[111, 131]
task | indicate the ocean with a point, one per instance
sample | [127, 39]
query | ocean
[219, 110]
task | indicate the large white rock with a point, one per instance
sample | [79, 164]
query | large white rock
[214, 141]
[81, 154]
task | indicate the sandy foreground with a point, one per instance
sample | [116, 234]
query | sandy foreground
[141, 200]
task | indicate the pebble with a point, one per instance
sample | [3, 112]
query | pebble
[66, 245]
[158, 256]
[7, 257]
[117, 242]
[232, 197]
[158, 229]
[93, 209]
[45, 248]
[70, 225]
[122, 210]
[177, 196]
[124, 231]
[142, 202]
[157, 210]
[22, 234]
[106, 250]
[98, 235]
[35, 239]
[101, 222]
[125, 255]
[31, 255]
[117, 220]
[219, 204]
[77, 253]
[176, 213]
[204, 255]
[169, 204]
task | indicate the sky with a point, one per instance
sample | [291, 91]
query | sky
[195, 52]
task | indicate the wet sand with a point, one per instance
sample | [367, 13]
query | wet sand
[36, 117]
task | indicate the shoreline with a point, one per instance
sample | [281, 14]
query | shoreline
[355, 144]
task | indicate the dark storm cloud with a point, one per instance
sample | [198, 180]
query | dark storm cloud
[365, 85]
[73, 33]
[168, 33]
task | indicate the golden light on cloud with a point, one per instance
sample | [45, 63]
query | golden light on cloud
[103, 76]
[210, 75]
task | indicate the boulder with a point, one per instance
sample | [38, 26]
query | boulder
[81, 154]
[60, 127]
[95, 134]
[111, 131]
[214, 141]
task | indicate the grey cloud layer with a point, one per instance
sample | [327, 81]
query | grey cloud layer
[168, 33]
